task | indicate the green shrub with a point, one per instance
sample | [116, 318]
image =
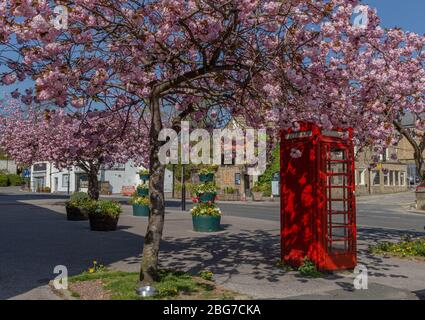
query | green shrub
[79, 196]
[308, 269]
[3, 180]
[256, 188]
[78, 199]
[14, 180]
[405, 248]
[229, 190]
[266, 188]
[206, 275]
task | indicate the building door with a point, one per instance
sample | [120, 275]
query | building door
[247, 185]
[56, 184]
[39, 184]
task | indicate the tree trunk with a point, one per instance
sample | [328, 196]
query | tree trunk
[93, 188]
[149, 265]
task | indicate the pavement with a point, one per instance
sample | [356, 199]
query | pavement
[35, 237]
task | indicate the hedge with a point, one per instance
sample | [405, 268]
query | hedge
[10, 180]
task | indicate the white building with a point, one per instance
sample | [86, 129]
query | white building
[45, 176]
[8, 166]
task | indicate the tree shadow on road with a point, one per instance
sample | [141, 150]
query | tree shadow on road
[33, 240]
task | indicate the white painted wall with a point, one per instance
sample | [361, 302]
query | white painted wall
[8, 166]
[128, 175]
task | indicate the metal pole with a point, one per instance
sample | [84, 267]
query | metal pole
[183, 187]
[69, 180]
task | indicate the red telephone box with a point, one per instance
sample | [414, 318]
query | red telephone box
[318, 208]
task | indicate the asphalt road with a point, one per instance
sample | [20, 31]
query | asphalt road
[380, 211]
[383, 211]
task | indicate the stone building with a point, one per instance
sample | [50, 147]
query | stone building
[391, 175]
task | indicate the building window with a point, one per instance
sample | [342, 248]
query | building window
[402, 179]
[387, 178]
[392, 182]
[237, 179]
[65, 180]
[397, 178]
[40, 167]
[376, 178]
[361, 177]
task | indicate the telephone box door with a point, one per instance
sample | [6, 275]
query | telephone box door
[340, 224]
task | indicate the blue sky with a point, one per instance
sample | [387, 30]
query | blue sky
[407, 14]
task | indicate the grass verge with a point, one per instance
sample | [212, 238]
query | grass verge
[405, 248]
[118, 285]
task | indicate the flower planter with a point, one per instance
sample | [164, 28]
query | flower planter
[144, 177]
[257, 196]
[142, 192]
[99, 222]
[209, 177]
[207, 197]
[76, 214]
[140, 210]
[206, 223]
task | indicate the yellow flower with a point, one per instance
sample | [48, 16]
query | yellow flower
[91, 270]
[94, 262]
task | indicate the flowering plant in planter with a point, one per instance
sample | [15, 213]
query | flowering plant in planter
[206, 215]
[77, 199]
[206, 209]
[140, 205]
[257, 192]
[75, 206]
[144, 174]
[207, 170]
[104, 208]
[142, 201]
[103, 214]
[206, 174]
[142, 189]
[208, 187]
[206, 192]
[142, 186]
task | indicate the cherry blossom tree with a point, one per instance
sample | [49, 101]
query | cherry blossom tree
[89, 141]
[269, 62]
